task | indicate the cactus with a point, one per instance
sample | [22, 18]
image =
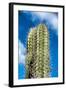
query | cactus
[37, 58]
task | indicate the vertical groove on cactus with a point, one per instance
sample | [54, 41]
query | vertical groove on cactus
[37, 58]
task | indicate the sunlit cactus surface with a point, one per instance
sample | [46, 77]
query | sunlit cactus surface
[37, 58]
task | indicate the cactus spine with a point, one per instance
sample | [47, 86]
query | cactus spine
[37, 58]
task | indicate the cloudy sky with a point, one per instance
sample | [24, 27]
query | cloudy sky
[29, 19]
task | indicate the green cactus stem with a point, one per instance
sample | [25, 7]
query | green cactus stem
[37, 58]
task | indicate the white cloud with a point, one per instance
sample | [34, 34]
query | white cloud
[49, 17]
[22, 53]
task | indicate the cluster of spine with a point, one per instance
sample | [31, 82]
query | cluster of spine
[37, 58]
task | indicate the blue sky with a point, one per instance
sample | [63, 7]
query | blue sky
[29, 19]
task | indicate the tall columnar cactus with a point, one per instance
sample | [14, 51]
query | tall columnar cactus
[37, 58]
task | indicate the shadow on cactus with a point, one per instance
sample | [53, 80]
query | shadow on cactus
[37, 58]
